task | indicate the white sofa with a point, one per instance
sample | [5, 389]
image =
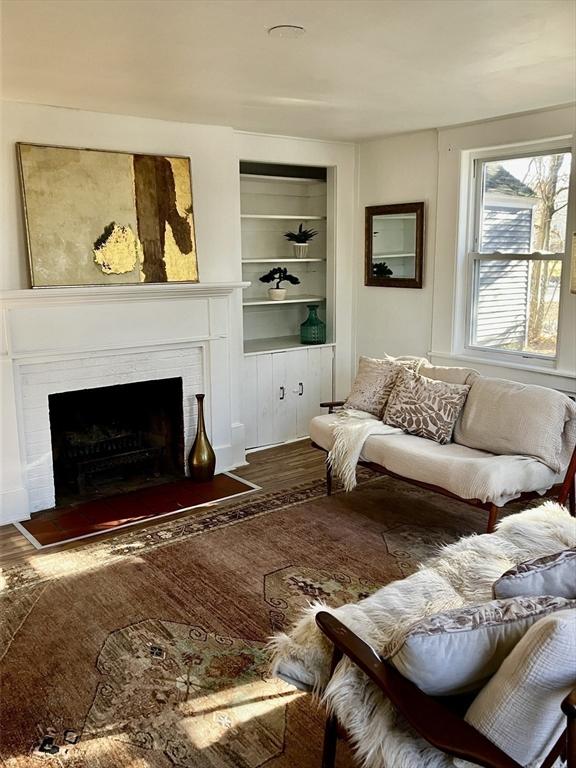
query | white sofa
[510, 440]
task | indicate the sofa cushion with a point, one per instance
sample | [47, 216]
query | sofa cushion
[550, 575]
[459, 650]
[519, 709]
[451, 374]
[372, 386]
[507, 417]
[463, 471]
[425, 407]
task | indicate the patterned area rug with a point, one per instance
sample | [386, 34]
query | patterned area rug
[147, 650]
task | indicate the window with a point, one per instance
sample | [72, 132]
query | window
[518, 244]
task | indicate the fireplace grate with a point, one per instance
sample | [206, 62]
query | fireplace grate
[90, 454]
[92, 444]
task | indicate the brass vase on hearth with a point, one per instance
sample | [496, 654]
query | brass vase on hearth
[202, 459]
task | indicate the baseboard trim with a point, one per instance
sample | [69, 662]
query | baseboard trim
[277, 445]
[14, 506]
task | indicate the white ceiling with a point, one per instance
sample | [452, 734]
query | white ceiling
[364, 68]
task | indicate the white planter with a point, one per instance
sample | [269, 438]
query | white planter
[277, 294]
[300, 250]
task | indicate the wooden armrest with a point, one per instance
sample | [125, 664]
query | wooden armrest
[331, 404]
[569, 705]
[569, 709]
[431, 719]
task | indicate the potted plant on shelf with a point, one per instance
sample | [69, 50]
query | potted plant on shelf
[278, 275]
[300, 240]
[381, 269]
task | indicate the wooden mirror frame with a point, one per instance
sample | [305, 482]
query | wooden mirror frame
[395, 282]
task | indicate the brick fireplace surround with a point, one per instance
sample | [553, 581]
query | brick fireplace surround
[67, 339]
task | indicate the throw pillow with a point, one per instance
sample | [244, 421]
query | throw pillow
[550, 575]
[519, 709]
[374, 382]
[425, 407]
[457, 651]
[451, 374]
[507, 417]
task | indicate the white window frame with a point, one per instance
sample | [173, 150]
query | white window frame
[477, 161]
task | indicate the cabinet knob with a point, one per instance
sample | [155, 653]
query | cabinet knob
[282, 393]
[300, 389]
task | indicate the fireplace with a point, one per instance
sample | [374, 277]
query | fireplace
[107, 440]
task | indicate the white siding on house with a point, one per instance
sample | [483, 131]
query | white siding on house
[506, 229]
[501, 303]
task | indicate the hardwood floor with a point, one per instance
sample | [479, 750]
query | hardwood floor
[273, 469]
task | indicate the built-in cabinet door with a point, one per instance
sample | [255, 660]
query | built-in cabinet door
[314, 386]
[282, 391]
[258, 400]
[285, 367]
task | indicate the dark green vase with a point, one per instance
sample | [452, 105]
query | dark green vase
[313, 330]
[202, 459]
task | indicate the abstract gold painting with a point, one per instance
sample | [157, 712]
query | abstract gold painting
[95, 217]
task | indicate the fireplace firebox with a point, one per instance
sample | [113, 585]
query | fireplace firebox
[111, 439]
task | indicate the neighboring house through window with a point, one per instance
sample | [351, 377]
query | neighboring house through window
[518, 243]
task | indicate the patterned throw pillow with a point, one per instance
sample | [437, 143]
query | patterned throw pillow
[374, 382]
[458, 650]
[425, 407]
[550, 575]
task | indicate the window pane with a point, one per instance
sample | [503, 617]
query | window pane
[516, 305]
[524, 204]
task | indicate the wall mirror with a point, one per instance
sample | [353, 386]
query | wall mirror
[394, 245]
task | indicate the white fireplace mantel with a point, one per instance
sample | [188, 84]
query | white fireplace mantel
[61, 339]
[103, 293]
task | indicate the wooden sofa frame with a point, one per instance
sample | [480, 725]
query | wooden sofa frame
[440, 721]
[565, 492]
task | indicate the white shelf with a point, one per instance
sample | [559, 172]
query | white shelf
[301, 299]
[390, 216]
[295, 179]
[279, 259]
[277, 344]
[278, 217]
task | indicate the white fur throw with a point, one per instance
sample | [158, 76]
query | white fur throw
[461, 574]
[352, 430]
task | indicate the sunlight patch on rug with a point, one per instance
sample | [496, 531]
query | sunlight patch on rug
[182, 691]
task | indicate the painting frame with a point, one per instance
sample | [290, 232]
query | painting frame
[154, 241]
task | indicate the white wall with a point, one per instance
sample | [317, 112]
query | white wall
[399, 169]
[215, 182]
[429, 166]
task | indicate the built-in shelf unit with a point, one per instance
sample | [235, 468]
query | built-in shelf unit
[275, 200]
[284, 381]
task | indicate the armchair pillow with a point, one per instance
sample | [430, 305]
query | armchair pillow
[425, 407]
[459, 650]
[550, 575]
[451, 374]
[374, 382]
[519, 708]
